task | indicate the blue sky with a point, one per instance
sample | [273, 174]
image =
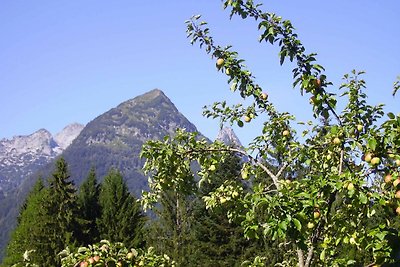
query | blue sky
[70, 61]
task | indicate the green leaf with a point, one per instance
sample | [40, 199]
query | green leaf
[391, 115]
[363, 198]
[297, 224]
[322, 255]
[372, 143]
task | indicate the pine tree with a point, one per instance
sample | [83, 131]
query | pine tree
[88, 200]
[28, 233]
[121, 217]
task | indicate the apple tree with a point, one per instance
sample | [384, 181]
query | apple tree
[333, 187]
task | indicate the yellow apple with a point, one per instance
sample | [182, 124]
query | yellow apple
[398, 162]
[359, 127]
[264, 96]
[396, 182]
[336, 141]
[246, 118]
[285, 133]
[310, 225]
[220, 62]
[368, 157]
[397, 195]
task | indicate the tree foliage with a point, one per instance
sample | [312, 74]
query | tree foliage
[28, 232]
[88, 201]
[121, 217]
[338, 163]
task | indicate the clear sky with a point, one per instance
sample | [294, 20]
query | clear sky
[70, 61]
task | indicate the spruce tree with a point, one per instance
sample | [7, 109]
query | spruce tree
[28, 232]
[170, 232]
[61, 206]
[88, 200]
[121, 217]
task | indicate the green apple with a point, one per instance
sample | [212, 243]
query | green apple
[245, 174]
[350, 186]
[396, 182]
[310, 225]
[129, 255]
[317, 214]
[359, 127]
[375, 161]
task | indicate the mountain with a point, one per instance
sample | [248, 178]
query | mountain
[228, 137]
[20, 158]
[23, 155]
[114, 140]
[68, 134]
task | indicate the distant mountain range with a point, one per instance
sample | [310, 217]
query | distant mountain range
[112, 140]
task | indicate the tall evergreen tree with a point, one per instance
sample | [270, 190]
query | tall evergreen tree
[61, 205]
[170, 232]
[88, 200]
[28, 233]
[121, 217]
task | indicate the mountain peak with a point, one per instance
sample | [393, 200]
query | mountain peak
[68, 134]
[228, 137]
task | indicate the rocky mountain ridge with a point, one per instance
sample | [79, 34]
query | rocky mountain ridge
[24, 154]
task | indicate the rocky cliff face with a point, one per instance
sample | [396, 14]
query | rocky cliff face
[228, 137]
[23, 155]
[67, 135]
